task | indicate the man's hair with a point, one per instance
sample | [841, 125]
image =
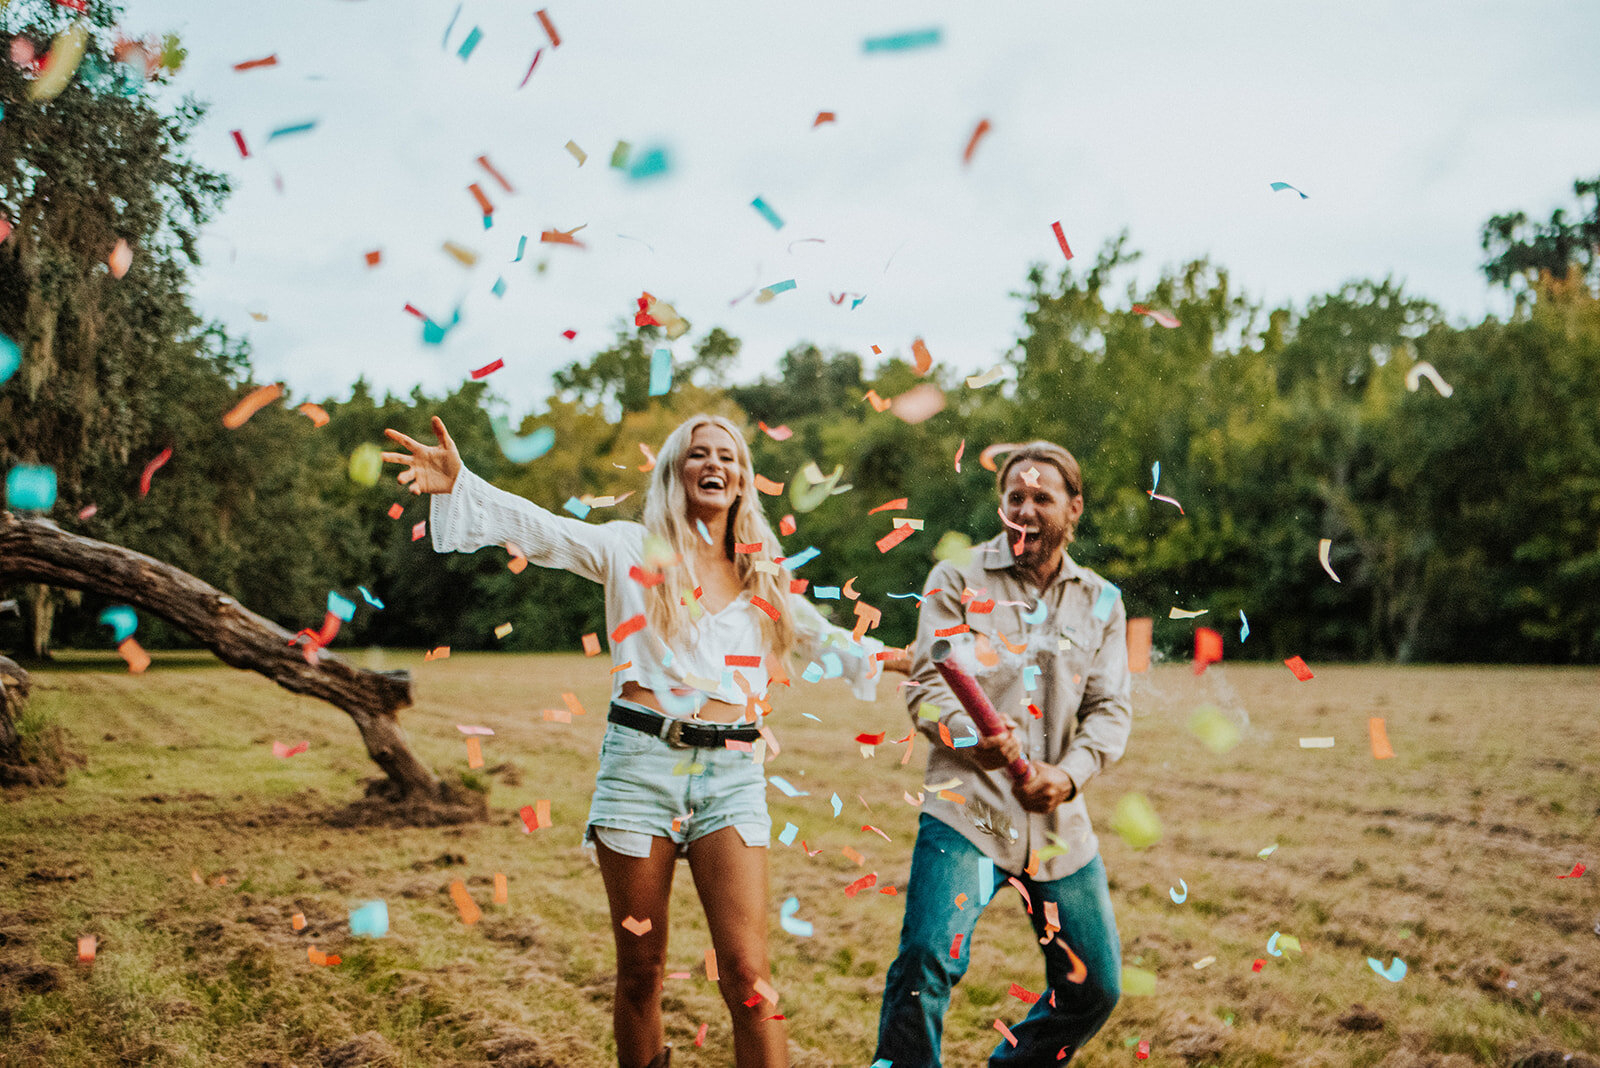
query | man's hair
[1047, 452]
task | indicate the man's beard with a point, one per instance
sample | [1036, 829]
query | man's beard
[1037, 548]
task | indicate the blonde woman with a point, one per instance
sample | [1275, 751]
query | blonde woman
[700, 624]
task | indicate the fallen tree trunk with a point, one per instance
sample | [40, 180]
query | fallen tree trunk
[36, 550]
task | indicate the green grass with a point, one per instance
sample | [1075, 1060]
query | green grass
[1445, 856]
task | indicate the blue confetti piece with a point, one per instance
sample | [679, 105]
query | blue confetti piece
[786, 919]
[1035, 616]
[373, 601]
[767, 213]
[1272, 945]
[780, 287]
[825, 593]
[31, 488]
[963, 742]
[576, 507]
[803, 557]
[705, 535]
[838, 806]
[903, 42]
[832, 665]
[650, 164]
[1394, 973]
[660, 372]
[297, 128]
[1105, 602]
[499, 287]
[813, 672]
[341, 606]
[789, 831]
[10, 358]
[1244, 627]
[370, 920]
[522, 246]
[1030, 677]
[519, 450]
[783, 784]
[882, 1062]
[122, 620]
[1155, 476]
[465, 51]
[809, 716]
[903, 596]
[1178, 899]
[985, 881]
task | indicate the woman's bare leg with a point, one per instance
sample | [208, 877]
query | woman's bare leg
[731, 879]
[640, 887]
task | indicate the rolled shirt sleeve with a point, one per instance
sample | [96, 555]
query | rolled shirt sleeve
[475, 514]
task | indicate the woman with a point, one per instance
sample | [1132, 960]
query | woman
[699, 624]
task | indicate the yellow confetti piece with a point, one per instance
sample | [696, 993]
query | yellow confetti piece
[577, 153]
[502, 630]
[1184, 613]
[66, 52]
[989, 377]
[464, 256]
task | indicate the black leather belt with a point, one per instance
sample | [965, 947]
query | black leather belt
[680, 733]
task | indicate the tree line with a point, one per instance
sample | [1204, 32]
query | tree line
[1461, 528]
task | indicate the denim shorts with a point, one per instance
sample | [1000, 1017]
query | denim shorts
[647, 789]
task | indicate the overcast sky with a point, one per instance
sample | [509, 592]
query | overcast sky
[1407, 124]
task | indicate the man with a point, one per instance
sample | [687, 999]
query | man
[1065, 698]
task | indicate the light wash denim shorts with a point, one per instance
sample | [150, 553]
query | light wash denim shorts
[647, 789]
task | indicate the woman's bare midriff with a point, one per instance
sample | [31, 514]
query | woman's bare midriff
[711, 711]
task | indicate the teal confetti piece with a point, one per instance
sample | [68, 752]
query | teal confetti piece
[1272, 945]
[854, 304]
[660, 372]
[1030, 677]
[576, 507]
[10, 358]
[963, 742]
[705, 535]
[1244, 627]
[789, 831]
[367, 595]
[341, 606]
[786, 919]
[297, 128]
[652, 164]
[499, 287]
[803, 557]
[370, 920]
[1155, 476]
[1178, 899]
[788, 789]
[767, 213]
[122, 620]
[1105, 602]
[825, 593]
[903, 42]
[780, 287]
[450, 26]
[809, 716]
[434, 333]
[519, 450]
[813, 672]
[31, 488]
[1278, 187]
[488, 221]
[465, 51]
[833, 667]
[522, 246]
[838, 806]
[1394, 973]
[985, 881]
[1035, 615]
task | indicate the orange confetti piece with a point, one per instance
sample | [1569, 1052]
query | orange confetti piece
[1298, 666]
[637, 927]
[500, 890]
[138, 660]
[1380, 738]
[767, 486]
[733, 660]
[700, 1035]
[483, 161]
[850, 588]
[786, 525]
[1080, 971]
[571, 700]
[852, 855]
[121, 259]
[822, 117]
[766, 990]
[483, 201]
[560, 237]
[919, 349]
[374, 257]
[877, 402]
[757, 602]
[632, 626]
[748, 548]
[624, 666]
[314, 412]
[711, 965]
[86, 948]
[1000, 1025]
[441, 653]
[966, 157]
[470, 913]
[252, 64]
[549, 28]
[517, 565]
[252, 403]
[474, 753]
[959, 450]
[894, 537]
[891, 506]
[1139, 632]
[591, 645]
[945, 632]
[950, 795]
[1023, 994]
[298, 921]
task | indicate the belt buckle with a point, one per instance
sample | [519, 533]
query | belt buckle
[674, 734]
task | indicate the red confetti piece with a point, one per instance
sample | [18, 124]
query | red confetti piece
[798, 585]
[631, 626]
[487, 369]
[756, 602]
[238, 140]
[748, 547]
[396, 511]
[532, 65]
[569, 334]
[966, 157]
[894, 537]
[1061, 239]
[1258, 965]
[1298, 666]
[741, 661]
[1000, 1025]
[955, 947]
[549, 28]
[150, 470]
[872, 739]
[411, 309]
[1023, 994]
[891, 891]
[945, 632]
[249, 64]
[856, 887]
[786, 525]
[420, 530]
[1143, 1052]
[959, 450]
[1576, 872]
[1207, 648]
[981, 608]
[645, 579]
[700, 1035]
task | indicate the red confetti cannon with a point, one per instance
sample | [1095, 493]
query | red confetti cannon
[973, 699]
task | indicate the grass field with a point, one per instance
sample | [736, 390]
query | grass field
[1446, 856]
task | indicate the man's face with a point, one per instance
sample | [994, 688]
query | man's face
[1037, 500]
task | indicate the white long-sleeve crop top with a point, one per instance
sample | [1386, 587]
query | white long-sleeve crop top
[476, 514]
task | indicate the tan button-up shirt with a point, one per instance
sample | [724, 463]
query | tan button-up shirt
[1070, 663]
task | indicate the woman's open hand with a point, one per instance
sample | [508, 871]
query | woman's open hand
[429, 468]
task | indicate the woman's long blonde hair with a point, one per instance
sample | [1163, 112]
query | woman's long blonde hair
[666, 515]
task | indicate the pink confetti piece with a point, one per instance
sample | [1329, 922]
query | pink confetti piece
[284, 751]
[1166, 319]
[1061, 239]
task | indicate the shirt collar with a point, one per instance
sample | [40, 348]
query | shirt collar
[1001, 558]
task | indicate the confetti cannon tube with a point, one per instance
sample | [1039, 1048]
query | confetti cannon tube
[973, 699]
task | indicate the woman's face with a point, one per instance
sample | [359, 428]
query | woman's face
[712, 479]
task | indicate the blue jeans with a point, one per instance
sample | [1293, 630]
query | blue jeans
[917, 993]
